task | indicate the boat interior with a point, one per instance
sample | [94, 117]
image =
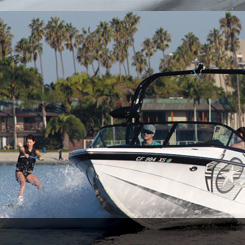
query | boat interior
[168, 134]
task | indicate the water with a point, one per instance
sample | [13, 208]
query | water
[78, 5]
[67, 212]
[120, 5]
[66, 194]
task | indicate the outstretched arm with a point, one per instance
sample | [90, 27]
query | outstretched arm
[22, 150]
[39, 155]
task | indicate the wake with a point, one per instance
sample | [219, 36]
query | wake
[66, 194]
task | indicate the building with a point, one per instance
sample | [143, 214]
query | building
[28, 121]
[213, 110]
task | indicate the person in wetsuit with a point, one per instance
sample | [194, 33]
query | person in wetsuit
[25, 165]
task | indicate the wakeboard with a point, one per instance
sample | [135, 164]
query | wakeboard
[13, 205]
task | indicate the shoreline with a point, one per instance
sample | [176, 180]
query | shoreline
[50, 158]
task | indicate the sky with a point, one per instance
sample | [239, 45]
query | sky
[177, 23]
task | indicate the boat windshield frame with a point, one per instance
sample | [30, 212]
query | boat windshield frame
[168, 134]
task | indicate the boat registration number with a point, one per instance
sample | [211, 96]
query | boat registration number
[153, 159]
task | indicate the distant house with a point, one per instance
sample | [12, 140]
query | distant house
[214, 110]
[29, 121]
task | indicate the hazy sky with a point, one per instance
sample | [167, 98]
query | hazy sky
[178, 24]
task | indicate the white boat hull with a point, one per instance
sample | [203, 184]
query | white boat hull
[150, 187]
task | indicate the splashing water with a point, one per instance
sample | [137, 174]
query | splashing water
[66, 193]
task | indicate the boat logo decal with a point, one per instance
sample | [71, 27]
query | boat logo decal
[225, 179]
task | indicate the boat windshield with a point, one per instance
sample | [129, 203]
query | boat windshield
[167, 134]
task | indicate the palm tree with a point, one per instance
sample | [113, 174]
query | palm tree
[107, 59]
[208, 57]
[140, 62]
[90, 47]
[37, 33]
[69, 90]
[83, 57]
[110, 91]
[69, 127]
[5, 40]
[97, 50]
[193, 43]
[215, 38]
[131, 22]
[23, 49]
[161, 40]
[118, 28]
[126, 44]
[33, 49]
[88, 91]
[192, 90]
[62, 38]
[231, 26]
[85, 54]
[183, 57]
[120, 55]
[55, 36]
[71, 33]
[104, 33]
[79, 41]
[149, 48]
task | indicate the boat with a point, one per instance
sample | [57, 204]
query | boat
[194, 174]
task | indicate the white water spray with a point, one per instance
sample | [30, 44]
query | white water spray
[66, 194]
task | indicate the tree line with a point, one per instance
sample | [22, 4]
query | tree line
[91, 97]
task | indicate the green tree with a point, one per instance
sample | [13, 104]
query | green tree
[68, 126]
[118, 33]
[107, 59]
[17, 81]
[110, 92]
[140, 62]
[37, 33]
[161, 40]
[131, 21]
[5, 40]
[22, 48]
[193, 89]
[104, 33]
[208, 57]
[55, 36]
[182, 57]
[97, 50]
[231, 27]
[69, 90]
[71, 33]
[33, 49]
[215, 39]
[85, 54]
[149, 48]
[192, 42]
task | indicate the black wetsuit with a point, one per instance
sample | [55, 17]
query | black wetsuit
[26, 165]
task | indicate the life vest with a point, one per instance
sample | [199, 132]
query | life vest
[26, 163]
